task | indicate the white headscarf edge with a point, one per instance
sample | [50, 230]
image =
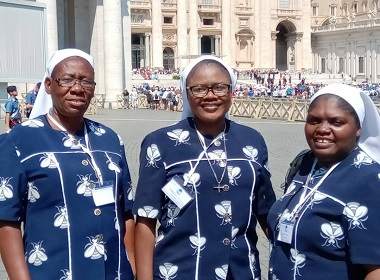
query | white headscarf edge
[186, 111]
[369, 140]
[43, 101]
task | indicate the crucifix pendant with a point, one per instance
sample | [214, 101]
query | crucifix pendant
[219, 187]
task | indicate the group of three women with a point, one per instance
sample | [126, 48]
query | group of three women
[205, 179]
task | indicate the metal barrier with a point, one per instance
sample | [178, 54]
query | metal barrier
[259, 108]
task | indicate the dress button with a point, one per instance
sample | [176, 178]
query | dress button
[226, 241]
[99, 237]
[226, 188]
[97, 212]
[84, 162]
[75, 142]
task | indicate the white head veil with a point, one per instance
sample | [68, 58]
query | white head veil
[43, 101]
[186, 111]
[369, 140]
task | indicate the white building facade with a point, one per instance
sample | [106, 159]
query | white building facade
[247, 34]
[332, 37]
[346, 38]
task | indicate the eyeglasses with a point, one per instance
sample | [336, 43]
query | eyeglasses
[202, 90]
[70, 82]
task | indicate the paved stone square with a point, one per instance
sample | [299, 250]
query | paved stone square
[284, 141]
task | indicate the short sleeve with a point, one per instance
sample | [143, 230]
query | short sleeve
[13, 182]
[152, 177]
[361, 218]
[28, 99]
[265, 195]
[8, 107]
[127, 186]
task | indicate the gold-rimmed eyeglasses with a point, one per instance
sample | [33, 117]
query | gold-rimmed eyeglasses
[202, 90]
[70, 82]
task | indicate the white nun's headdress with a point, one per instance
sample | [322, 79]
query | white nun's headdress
[369, 140]
[43, 101]
[186, 111]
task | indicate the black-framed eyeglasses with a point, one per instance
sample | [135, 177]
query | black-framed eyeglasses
[202, 90]
[70, 82]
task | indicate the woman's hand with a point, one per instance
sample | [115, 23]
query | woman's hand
[12, 251]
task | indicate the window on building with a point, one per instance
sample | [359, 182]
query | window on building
[168, 20]
[284, 4]
[323, 65]
[361, 64]
[365, 4]
[345, 10]
[315, 10]
[208, 21]
[355, 7]
[341, 65]
[332, 11]
[207, 2]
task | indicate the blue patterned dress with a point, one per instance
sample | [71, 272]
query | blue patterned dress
[214, 236]
[46, 181]
[336, 229]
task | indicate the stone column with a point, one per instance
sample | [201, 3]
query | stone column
[217, 45]
[142, 51]
[157, 34]
[127, 47]
[148, 61]
[200, 44]
[52, 27]
[193, 25]
[181, 33]
[274, 38]
[226, 31]
[113, 56]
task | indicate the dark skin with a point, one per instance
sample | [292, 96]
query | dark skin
[69, 106]
[70, 103]
[209, 117]
[332, 132]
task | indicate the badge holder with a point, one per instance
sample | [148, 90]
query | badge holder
[177, 193]
[286, 232]
[103, 193]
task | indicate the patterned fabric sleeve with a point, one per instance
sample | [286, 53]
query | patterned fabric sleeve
[265, 194]
[361, 219]
[152, 177]
[13, 182]
[126, 181]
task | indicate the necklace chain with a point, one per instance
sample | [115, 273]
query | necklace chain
[203, 144]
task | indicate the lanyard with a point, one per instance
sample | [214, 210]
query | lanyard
[305, 197]
[83, 147]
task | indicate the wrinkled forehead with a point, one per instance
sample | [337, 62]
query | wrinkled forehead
[73, 63]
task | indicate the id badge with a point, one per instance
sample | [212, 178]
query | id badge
[177, 193]
[103, 194]
[286, 232]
